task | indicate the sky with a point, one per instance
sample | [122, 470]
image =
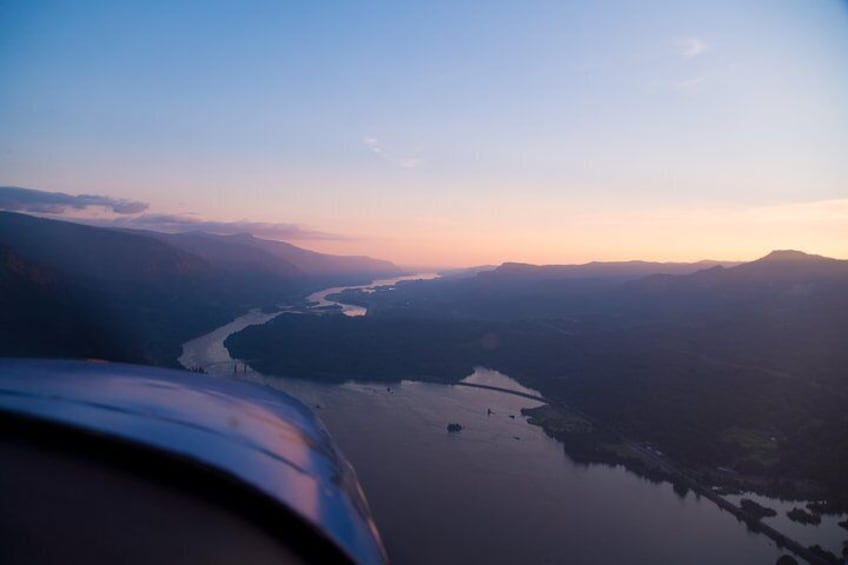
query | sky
[437, 133]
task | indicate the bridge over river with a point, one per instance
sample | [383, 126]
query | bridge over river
[502, 389]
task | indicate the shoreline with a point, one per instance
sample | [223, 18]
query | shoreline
[587, 442]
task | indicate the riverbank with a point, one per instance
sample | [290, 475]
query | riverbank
[600, 445]
[588, 442]
[407, 462]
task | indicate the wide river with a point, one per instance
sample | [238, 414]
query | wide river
[499, 491]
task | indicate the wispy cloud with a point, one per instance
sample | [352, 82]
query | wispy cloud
[691, 47]
[373, 144]
[129, 216]
[177, 223]
[406, 162]
[18, 199]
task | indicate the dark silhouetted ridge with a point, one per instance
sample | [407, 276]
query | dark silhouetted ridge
[607, 270]
[246, 253]
[95, 253]
[787, 255]
[792, 266]
[81, 291]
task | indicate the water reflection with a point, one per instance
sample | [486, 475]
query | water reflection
[321, 301]
[501, 491]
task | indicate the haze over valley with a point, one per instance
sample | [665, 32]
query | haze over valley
[565, 281]
[732, 370]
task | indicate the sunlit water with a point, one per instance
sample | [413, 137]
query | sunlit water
[208, 351]
[499, 491]
[320, 297]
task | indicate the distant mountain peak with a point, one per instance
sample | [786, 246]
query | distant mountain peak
[789, 264]
[514, 266]
[241, 235]
[784, 255]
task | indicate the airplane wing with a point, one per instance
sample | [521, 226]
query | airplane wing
[107, 462]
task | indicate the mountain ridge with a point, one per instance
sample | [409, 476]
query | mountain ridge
[137, 296]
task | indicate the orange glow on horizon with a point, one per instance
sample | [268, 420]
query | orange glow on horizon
[732, 234]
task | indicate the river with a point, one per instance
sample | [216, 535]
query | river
[499, 491]
[321, 301]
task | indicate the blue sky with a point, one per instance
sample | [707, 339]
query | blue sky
[443, 132]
